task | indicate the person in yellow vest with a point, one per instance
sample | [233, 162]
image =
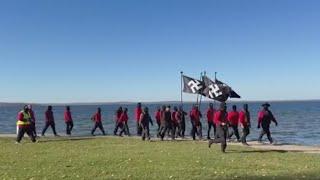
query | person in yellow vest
[24, 125]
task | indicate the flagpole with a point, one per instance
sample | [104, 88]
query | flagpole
[204, 73]
[181, 92]
[198, 94]
[215, 80]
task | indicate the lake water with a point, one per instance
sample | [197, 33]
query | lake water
[299, 122]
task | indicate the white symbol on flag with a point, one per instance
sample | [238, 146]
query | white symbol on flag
[214, 91]
[195, 86]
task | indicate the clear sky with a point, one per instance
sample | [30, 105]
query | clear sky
[134, 50]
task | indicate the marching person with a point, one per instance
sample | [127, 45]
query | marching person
[196, 123]
[157, 116]
[165, 122]
[221, 121]
[138, 113]
[33, 121]
[124, 122]
[49, 122]
[264, 120]
[118, 123]
[233, 118]
[24, 125]
[210, 120]
[68, 120]
[97, 119]
[174, 123]
[145, 119]
[244, 118]
[181, 118]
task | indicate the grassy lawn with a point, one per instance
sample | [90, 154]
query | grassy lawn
[130, 158]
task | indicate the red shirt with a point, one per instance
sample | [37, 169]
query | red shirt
[243, 119]
[97, 118]
[124, 118]
[233, 117]
[220, 117]
[174, 117]
[138, 113]
[158, 116]
[21, 118]
[210, 115]
[49, 116]
[67, 116]
[195, 116]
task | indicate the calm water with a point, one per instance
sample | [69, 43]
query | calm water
[299, 122]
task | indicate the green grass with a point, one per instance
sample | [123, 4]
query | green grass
[130, 158]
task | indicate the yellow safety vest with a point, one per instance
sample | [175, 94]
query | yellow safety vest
[26, 119]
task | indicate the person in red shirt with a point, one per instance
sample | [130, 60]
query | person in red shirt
[210, 120]
[33, 121]
[175, 123]
[265, 118]
[157, 116]
[233, 118]
[181, 118]
[49, 122]
[97, 119]
[195, 117]
[68, 120]
[138, 113]
[23, 123]
[244, 119]
[221, 121]
[118, 123]
[144, 121]
[124, 122]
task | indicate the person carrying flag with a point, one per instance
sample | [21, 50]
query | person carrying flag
[181, 118]
[265, 117]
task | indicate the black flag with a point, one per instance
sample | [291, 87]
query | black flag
[214, 90]
[192, 86]
[218, 90]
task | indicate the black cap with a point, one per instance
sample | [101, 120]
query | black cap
[266, 105]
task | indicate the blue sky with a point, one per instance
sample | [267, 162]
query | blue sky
[124, 50]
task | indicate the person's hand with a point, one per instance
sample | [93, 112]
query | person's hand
[276, 124]
[223, 124]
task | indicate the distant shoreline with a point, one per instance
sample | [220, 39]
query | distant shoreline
[154, 102]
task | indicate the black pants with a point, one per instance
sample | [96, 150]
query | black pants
[197, 130]
[27, 130]
[145, 132]
[127, 131]
[139, 129]
[210, 126]
[69, 127]
[33, 129]
[265, 130]
[165, 129]
[235, 131]
[245, 133]
[53, 126]
[182, 129]
[222, 132]
[117, 127]
[158, 130]
[98, 125]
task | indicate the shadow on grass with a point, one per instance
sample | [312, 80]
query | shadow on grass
[64, 139]
[256, 151]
